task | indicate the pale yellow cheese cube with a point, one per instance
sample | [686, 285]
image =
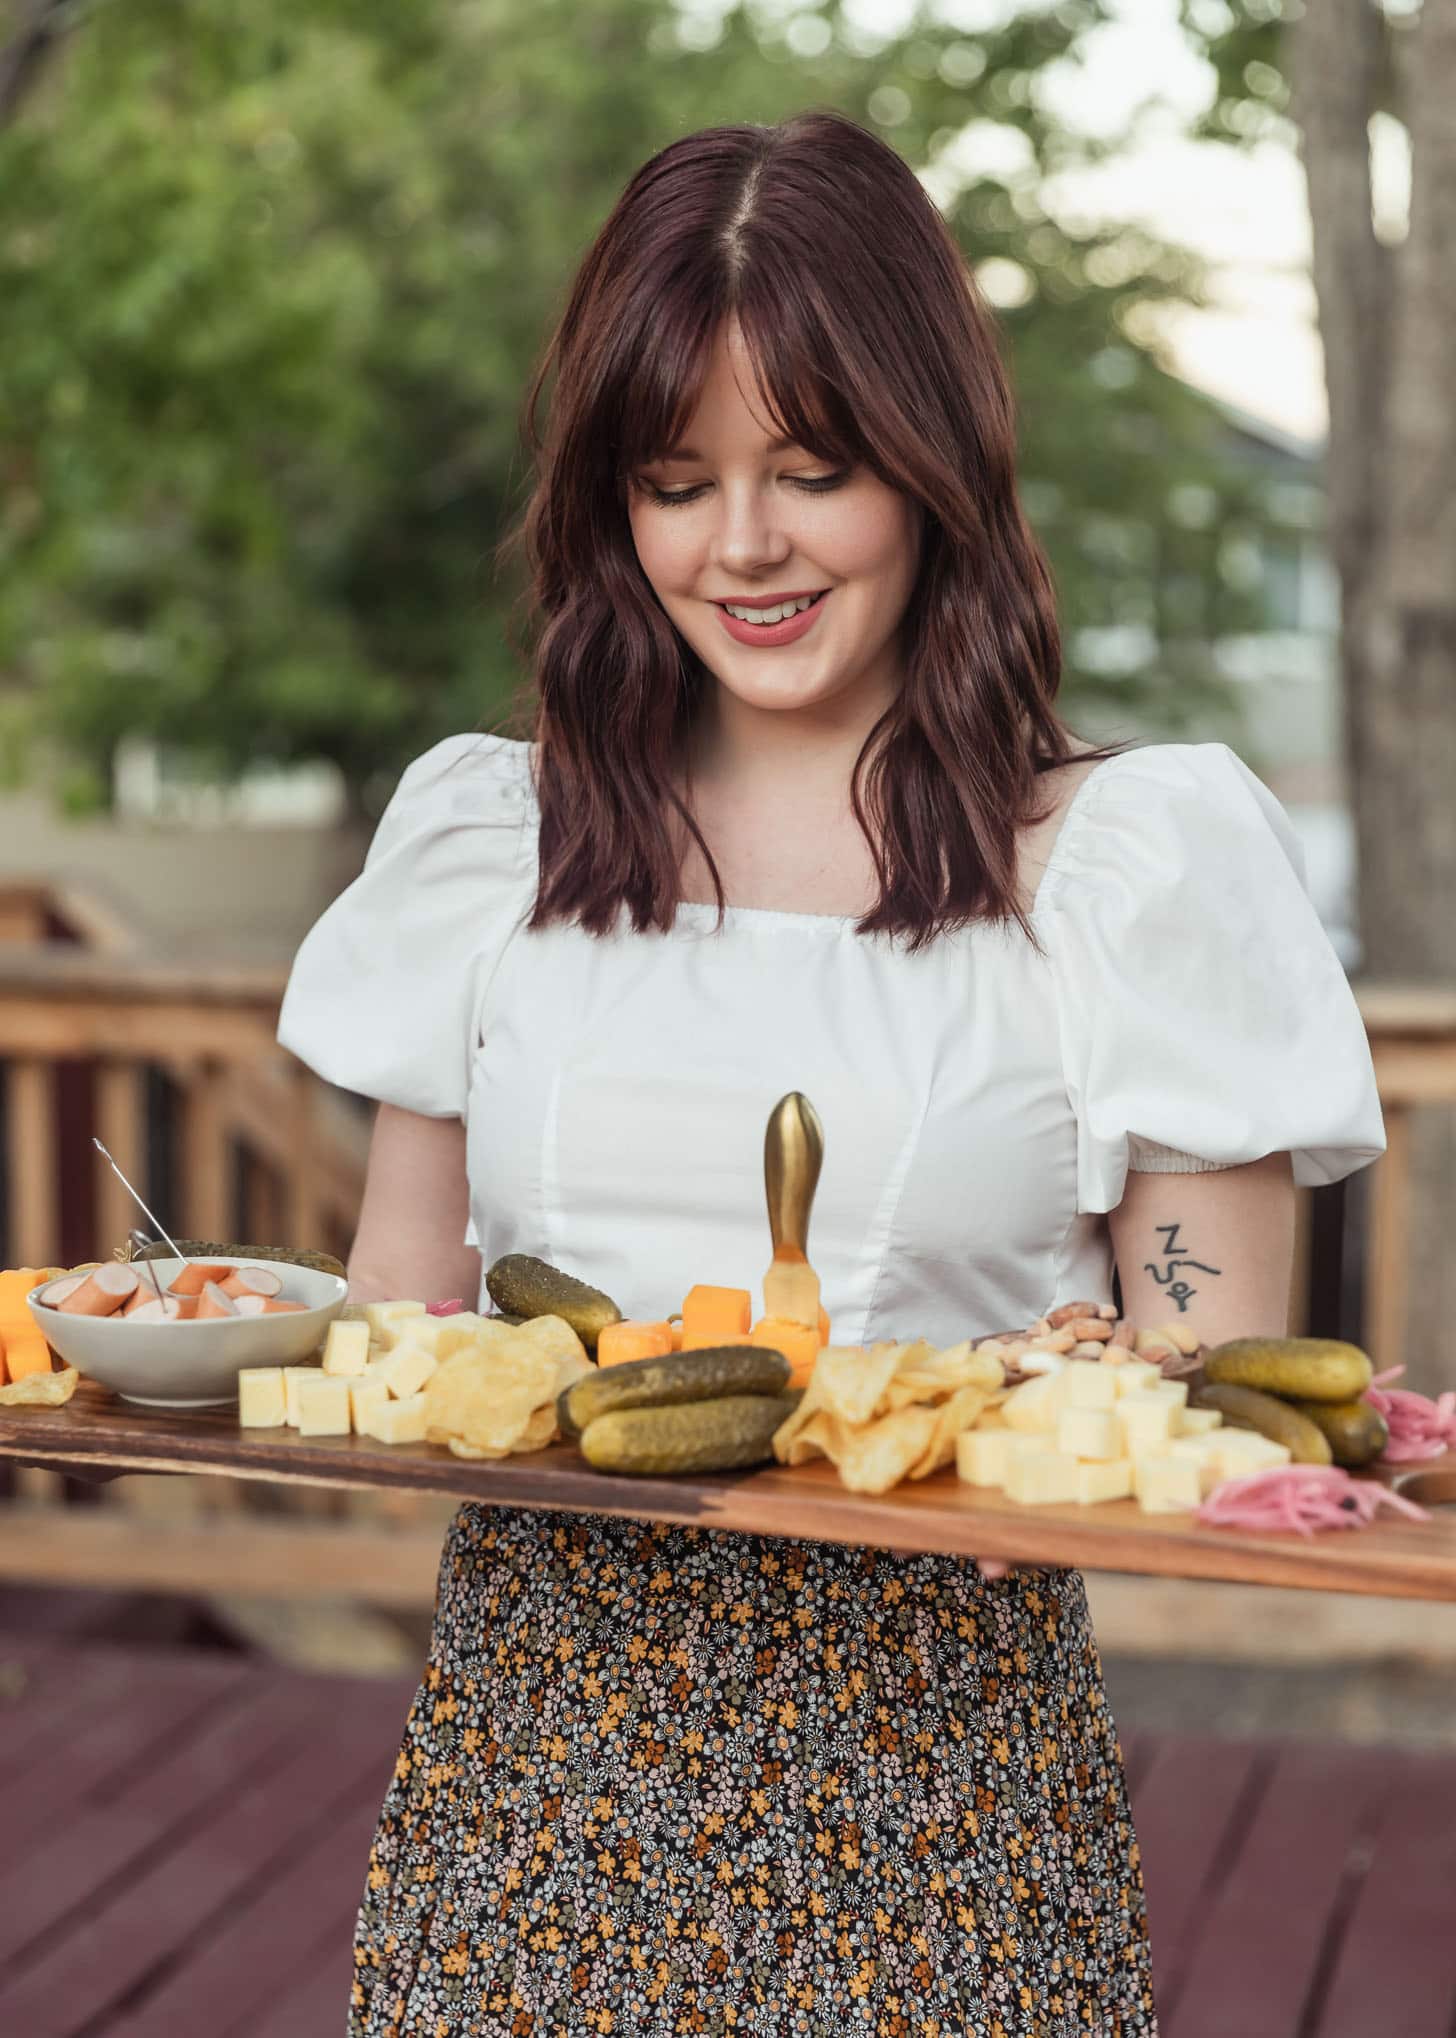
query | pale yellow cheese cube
[387, 1319]
[292, 1375]
[1032, 1407]
[1089, 1433]
[365, 1395]
[323, 1406]
[1147, 1421]
[405, 1370]
[261, 1400]
[1111, 1480]
[1175, 1391]
[1087, 1383]
[1197, 1422]
[982, 1455]
[397, 1422]
[1200, 1452]
[1237, 1452]
[1165, 1484]
[1134, 1375]
[1040, 1478]
[346, 1349]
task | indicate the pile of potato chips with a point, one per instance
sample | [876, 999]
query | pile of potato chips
[40, 1390]
[494, 1388]
[889, 1413]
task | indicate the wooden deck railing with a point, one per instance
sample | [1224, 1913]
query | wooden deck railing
[178, 1071]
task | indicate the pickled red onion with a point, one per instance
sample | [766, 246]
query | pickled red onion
[1419, 1427]
[445, 1308]
[1301, 1497]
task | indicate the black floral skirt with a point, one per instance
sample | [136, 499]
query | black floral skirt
[662, 1780]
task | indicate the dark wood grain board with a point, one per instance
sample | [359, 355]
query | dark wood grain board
[1394, 1558]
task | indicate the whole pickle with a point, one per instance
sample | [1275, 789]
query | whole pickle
[687, 1436]
[1356, 1431]
[1303, 1368]
[523, 1287]
[1250, 1408]
[676, 1377]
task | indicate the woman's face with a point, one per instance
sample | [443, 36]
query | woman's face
[736, 519]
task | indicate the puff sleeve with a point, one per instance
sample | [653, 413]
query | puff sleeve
[1205, 1018]
[385, 990]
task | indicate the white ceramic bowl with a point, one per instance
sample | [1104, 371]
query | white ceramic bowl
[193, 1365]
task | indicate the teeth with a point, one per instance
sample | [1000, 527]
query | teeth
[790, 608]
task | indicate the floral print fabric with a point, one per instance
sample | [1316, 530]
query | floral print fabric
[665, 1779]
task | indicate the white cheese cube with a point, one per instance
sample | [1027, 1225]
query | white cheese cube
[1197, 1422]
[1108, 1481]
[1087, 1383]
[292, 1375]
[397, 1422]
[1134, 1375]
[1237, 1452]
[1038, 1478]
[1089, 1433]
[387, 1319]
[1166, 1485]
[346, 1349]
[982, 1455]
[1032, 1407]
[261, 1400]
[323, 1406]
[365, 1395]
[1147, 1421]
[1175, 1391]
[1200, 1452]
[404, 1370]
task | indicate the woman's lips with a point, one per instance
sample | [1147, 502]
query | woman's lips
[766, 635]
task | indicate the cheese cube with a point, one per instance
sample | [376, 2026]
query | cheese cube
[404, 1370]
[1197, 1422]
[346, 1348]
[1147, 1421]
[1175, 1391]
[1038, 1478]
[323, 1406]
[1032, 1407]
[397, 1422]
[1109, 1481]
[1134, 1375]
[261, 1400]
[1087, 1383]
[292, 1375]
[1236, 1452]
[1200, 1452]
[1166, 1485]
[387, 1319]
[1089, 1433]
[982, 1455]
[365, 1395]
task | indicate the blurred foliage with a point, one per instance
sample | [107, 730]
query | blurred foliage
[273, 277]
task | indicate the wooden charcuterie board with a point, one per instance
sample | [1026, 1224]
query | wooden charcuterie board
[1394, 1558]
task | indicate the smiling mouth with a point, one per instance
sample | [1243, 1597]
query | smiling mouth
[812, 603]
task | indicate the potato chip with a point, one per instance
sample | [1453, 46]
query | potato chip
[820, 1437]
[40, 1390]
[540, 1430]
[961, 1412]
[464, 1450]
[487, 1392]
[555, 1336]
[876, 1457]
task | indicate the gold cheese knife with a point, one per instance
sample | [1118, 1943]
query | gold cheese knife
[793, 1153]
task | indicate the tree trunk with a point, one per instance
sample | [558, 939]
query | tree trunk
[1387, 316]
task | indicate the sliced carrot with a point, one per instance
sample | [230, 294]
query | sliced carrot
[619, 1343]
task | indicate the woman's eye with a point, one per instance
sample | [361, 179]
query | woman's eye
[811, 484]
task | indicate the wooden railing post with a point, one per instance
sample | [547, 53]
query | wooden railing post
[121, 1125]
[32, 1173]
[205, 1179]
[1387, 1262]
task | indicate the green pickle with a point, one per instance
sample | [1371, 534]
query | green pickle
[1301, 1368]
[720, 1435]
[675, 1378]
[523, 1287]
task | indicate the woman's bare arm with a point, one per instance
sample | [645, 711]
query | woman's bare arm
[413, 1215]
[1214, 1252]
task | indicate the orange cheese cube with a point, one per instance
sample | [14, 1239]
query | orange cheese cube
[619, 1343]
[799, 1345]
[715, 1316]
[26, 1350]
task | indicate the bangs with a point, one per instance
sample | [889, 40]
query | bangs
[788, 392]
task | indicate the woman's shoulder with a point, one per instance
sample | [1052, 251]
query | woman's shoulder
[474, 762]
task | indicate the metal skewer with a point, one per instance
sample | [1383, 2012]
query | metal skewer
[138, 1201]
[137, 1237]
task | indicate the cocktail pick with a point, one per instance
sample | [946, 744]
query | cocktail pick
[137, 1199]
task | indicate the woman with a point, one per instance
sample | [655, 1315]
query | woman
[1058, 1007]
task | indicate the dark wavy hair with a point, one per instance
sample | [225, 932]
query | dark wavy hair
[871, 345]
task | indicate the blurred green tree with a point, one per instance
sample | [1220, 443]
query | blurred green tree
[273, 277]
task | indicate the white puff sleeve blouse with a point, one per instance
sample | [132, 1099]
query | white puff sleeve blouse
[983, 1100]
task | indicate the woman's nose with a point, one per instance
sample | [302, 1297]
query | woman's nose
[750, 534]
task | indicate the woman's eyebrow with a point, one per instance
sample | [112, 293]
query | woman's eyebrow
[691, 453]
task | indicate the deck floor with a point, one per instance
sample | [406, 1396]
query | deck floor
[184, 1837]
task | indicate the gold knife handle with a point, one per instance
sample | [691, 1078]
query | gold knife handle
[793, 1153]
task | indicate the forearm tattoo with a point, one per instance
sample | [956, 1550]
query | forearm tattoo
[1167, 1272]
